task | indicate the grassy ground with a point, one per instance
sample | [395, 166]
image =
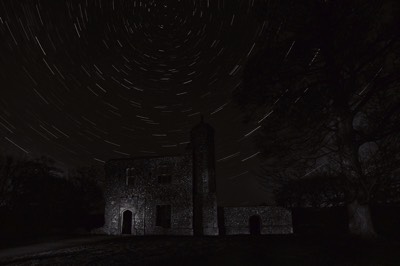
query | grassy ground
[229, 250]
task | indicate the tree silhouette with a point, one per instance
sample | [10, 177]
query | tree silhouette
[324, 89]
[38, 199]
[89, 184]
[319, 190]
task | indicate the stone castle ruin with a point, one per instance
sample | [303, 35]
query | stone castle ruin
[176, 195]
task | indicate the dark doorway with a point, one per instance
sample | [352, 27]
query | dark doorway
[255, 225]
[127, 223]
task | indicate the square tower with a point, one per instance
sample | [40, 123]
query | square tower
[205, 220]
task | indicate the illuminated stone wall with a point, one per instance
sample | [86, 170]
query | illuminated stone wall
[143, 192]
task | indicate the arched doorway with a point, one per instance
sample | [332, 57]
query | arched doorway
[127, 222]
[255, 225]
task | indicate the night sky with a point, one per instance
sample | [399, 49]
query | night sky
[87, 81]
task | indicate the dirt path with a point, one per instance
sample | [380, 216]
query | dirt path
[232, 250]
[25, 251]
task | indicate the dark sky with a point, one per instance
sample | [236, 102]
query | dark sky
[87, 81]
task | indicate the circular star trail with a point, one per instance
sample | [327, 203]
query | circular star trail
[87, 81]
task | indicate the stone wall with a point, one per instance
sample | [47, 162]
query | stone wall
[134, 186]
[274, 220]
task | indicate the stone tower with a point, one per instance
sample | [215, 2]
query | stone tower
[204, 183]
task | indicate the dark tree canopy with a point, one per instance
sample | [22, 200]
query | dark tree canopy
[321, 190]
[324, 87]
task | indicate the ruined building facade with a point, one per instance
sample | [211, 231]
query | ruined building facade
[176, 195]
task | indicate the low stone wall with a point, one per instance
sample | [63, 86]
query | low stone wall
[274, 220]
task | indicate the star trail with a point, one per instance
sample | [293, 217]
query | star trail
[87, 81]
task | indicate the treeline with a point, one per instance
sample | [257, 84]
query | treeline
[318, 205]
[328, 189]
[37, 198]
